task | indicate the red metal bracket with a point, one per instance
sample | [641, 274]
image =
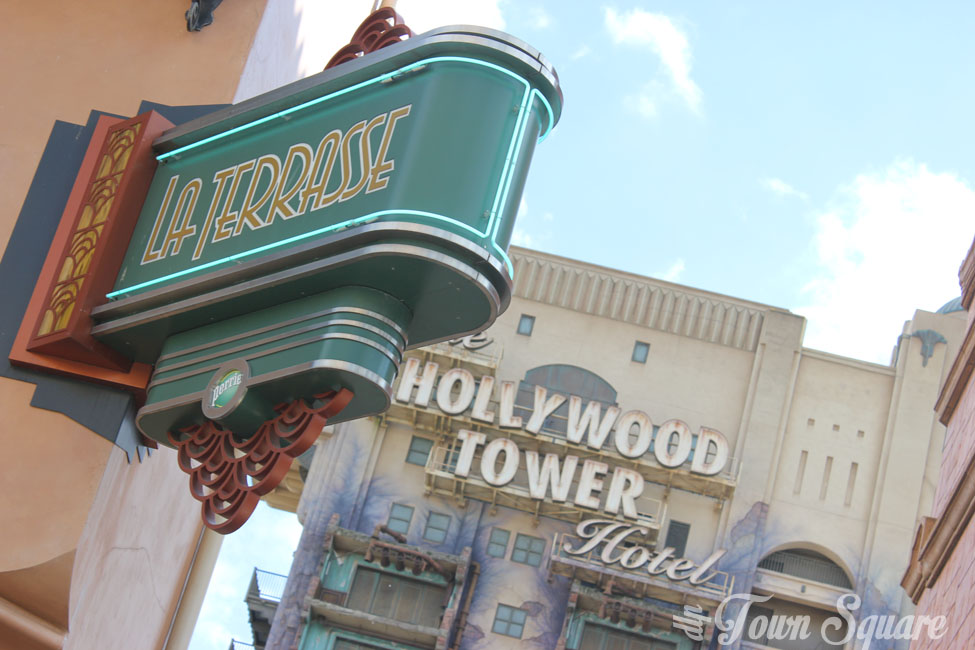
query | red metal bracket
[229, 475]
[380, 28]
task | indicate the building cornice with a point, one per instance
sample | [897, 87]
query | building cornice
[966, 277]
[958, 379]
[936, 539]
[638, 300]
[821, 355]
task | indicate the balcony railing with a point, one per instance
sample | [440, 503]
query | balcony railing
[240, 645]
[441, 478]
[806, 567]
[719, 585]
[270, 586]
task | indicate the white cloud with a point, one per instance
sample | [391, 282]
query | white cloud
[889, 243]
[781, 188]
[673, 273]
[658, 33]
[540, 19]
[646, 101]
[521, 238]
[424, 15]
[528, 232]
[583, 51]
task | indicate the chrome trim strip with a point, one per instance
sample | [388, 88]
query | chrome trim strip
[278, 337]
[334, 364]
[290, 274]
[335, 335]
[269, 328]
[502, 48]
[267, 265]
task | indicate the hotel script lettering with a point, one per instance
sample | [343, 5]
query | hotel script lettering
[611, 534]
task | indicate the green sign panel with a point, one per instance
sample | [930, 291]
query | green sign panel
[299, 242]
[443, 141]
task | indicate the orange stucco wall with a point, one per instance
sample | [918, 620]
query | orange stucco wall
[142, 532]
[71, 501]
[62, 59]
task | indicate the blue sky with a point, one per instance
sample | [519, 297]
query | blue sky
[812, 156]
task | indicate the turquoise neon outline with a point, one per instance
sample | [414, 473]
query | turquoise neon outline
[354, 87]
[501, 196]
[290, 240]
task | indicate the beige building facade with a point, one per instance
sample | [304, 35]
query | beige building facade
[482, 464]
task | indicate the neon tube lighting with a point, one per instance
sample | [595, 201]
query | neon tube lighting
[504, 186]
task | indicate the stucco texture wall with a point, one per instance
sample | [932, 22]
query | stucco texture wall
[74, 501]
[64, 59]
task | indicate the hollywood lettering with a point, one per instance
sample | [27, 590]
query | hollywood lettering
[254, 193]
[608, 537]
[632, 432]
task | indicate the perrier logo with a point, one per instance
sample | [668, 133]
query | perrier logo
[226, 388]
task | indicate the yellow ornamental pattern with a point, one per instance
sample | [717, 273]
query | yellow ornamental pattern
[101, 193]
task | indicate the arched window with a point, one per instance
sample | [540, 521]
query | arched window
[806, 564]
[572, 380]
[566, 380]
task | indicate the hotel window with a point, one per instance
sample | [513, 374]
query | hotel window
[528, 550]
[509, 621]
[436, 530]
[395, 597]
[450, 458]
[526, 325]
[600, 637]
[641, 351]
[677, 533]
[498, 542]
[400, 517]
[419, 451]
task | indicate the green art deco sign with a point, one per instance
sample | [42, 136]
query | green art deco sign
[299, 242]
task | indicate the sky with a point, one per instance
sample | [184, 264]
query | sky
[816, 157]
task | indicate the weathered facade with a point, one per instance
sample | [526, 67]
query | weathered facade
[493, 506]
